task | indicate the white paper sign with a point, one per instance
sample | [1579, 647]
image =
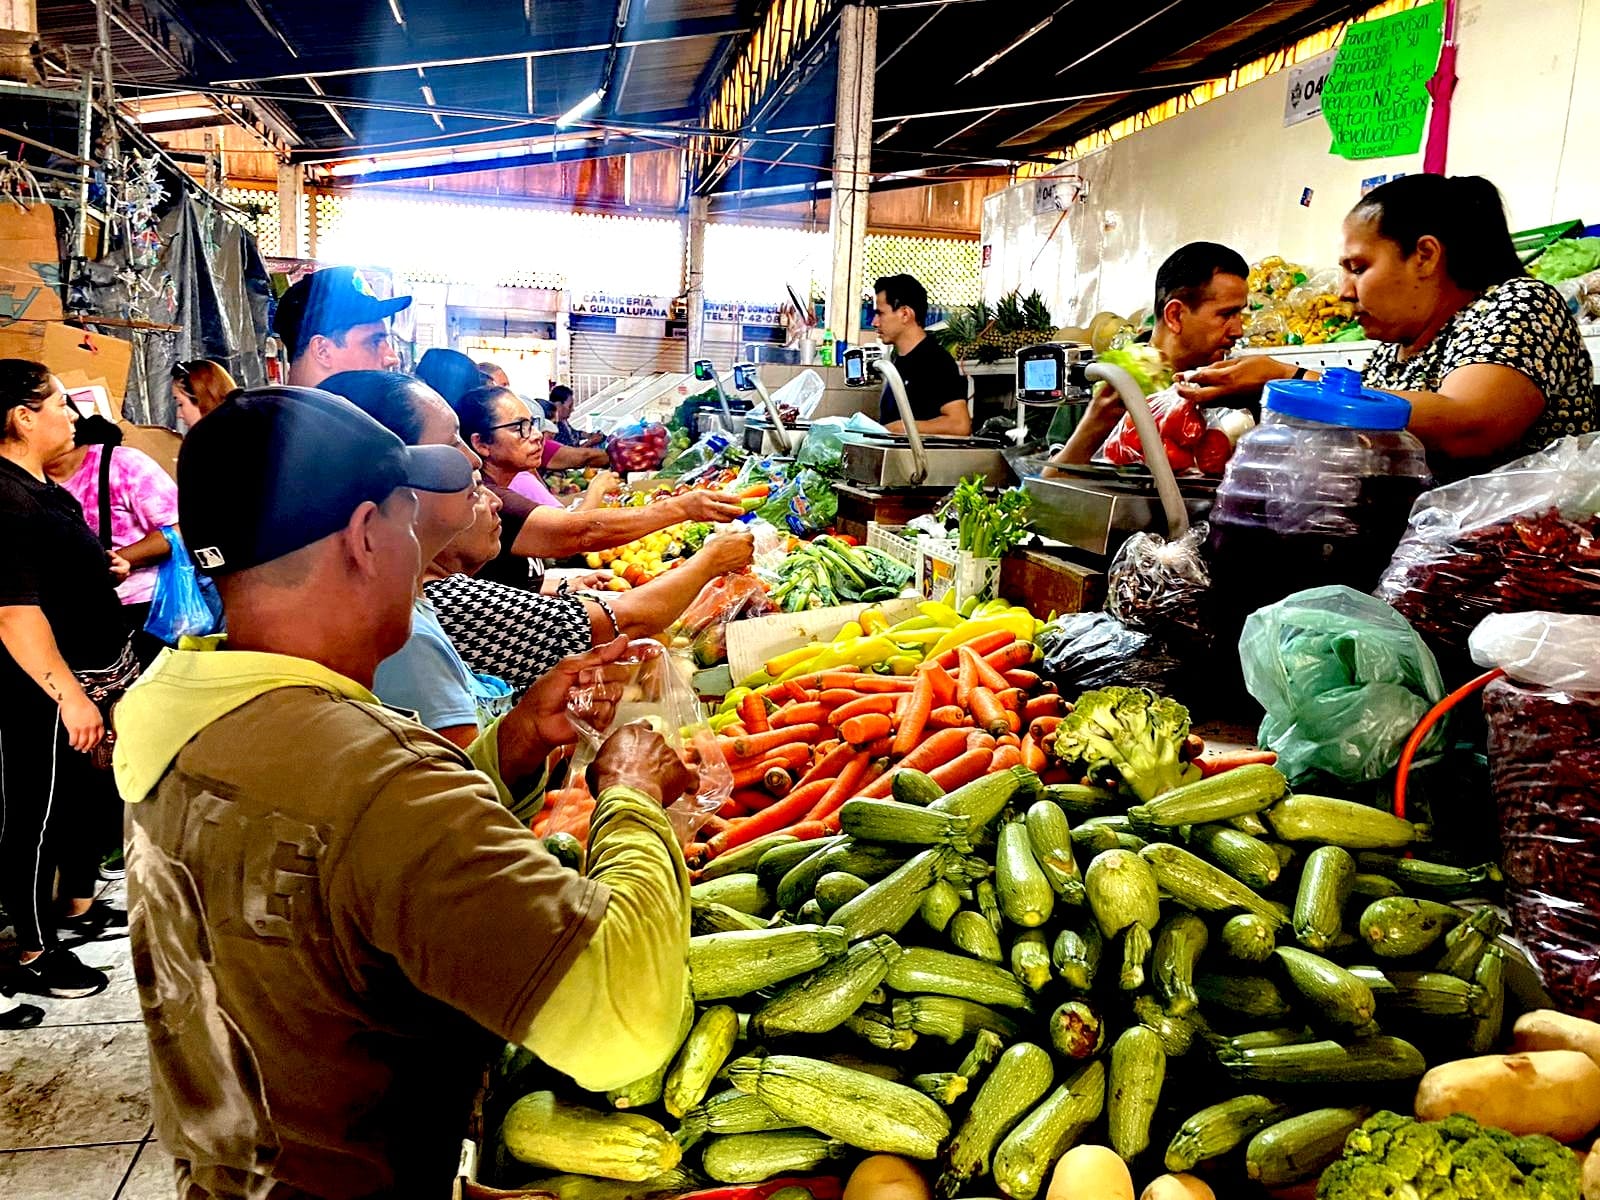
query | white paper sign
[1304, 97]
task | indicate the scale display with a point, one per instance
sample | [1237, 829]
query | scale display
[744, 377]
[855, 369]
[1041, 375]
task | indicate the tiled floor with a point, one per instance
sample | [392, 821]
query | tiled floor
[74, 1095]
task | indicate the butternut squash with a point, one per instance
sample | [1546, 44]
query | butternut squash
[1555, 1092]
[1090, 1172]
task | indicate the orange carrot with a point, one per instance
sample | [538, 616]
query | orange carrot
[809, 831]
[986, 708]
[878, 789]
[751, 800]
[974, 764]
[793, 690]
[757, 745]
[965, 680]
[944, 687]
[1042, 706]
[1043, 727]
[791, 808]
[979, 739]
[842, 788]
[868, 683]
[951, 716]
[733, 807]
[813, 712]
[1011, 699]
[936, 750]
[1012, 657]
[915, 718]
[734, 729]
[868, 727]
[1033, 755]
[1005, 758]
[982, 672]
[882, 703]
[984, 643]
[1217, 763]
[831, 819]
[753, 712]
[879, 749]
[1028, 681]
[830, 764]
[1008, 739]
[827, 747]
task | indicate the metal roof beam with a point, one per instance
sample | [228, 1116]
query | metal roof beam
[469, 53]
[613, 148]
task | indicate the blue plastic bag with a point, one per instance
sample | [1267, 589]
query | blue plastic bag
[180, 607]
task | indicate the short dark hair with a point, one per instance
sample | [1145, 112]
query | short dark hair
[475, 410]
[388, 397]
[449, 372]
[1465, 214]
[903, 291]
[1189, 270]
[560, 394]
[23, 384]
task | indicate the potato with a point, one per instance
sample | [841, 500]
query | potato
[1545, 1091]
[1546, 1029]
[1090, 1173]
[886, 1177]
[1591, 1173]
[1177, 1187]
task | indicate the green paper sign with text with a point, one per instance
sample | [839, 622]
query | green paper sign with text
[1376, 99]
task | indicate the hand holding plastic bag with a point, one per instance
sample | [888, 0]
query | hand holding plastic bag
[1344, 680]
[179, 607]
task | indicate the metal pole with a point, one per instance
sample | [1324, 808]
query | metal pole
[291, 202]
[80, 244]
[695, 276]
[102, 25]
[852, 166]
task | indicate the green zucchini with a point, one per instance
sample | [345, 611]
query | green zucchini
[568, 851]
[1252, 824]
[1248, 789]
[704, 1051]
[1051, 838]
[1400, 926]
[587, 1187]
[1081, 802]
[777, 862]
[1319, 902]
[910, 786]
[1248, 938]
[812, 912]
[1026, 897]
[887, 905]
[870, 860]
[950, 1019]
[971, 934]
[825, 998]
[1300, 1147]
[1250, 996]
[731, 1111]
[1434, 880]
[1422, 993]
[1076, 956]
[869, 1113]
[1076, 1030]
[989, 903]
[1018, 1082]
[919, 969]
[984, 799]
[879, 1029]
[753, 1157]
[1195, 883]
[1368, 1060]
[1334, 994]
[1464, 945]
[1099, 834]
[1303, 818]
[735, 964]
[1177, 1033]
[1122, 892]
[548, 1132]
[705, 917]
[836, 889]
[1367, 888]
[1262, 1038]
[1490, 978]
[742, 891]
[1180, 942]
[940, 903]
[986, 1048]
[1030, 959]
[1248, 859]
[746, 858]
[1023, 1163]
[1138, 1070]
[894, 822]
[1221, 1128]
[942, 1087]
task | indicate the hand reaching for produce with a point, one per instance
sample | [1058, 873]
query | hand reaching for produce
[604, 483]
[716, 507]
[730, 551]
[539, 723]
[637, 757]
[1236, 377]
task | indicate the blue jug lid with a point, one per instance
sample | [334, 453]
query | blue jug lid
[1338, 399]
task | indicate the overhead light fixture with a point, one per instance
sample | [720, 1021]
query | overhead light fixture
[582, 108]
[399, 14]
[162, 116]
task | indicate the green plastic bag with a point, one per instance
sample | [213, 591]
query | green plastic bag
[1567, 259]
[1344, 680]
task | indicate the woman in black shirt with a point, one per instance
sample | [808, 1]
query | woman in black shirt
[63, 647]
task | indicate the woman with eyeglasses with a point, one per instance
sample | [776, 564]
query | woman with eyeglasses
[500, 427]
[65, 657]
[198, 387]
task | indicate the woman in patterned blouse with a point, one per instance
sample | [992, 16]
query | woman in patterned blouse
[1490, 358]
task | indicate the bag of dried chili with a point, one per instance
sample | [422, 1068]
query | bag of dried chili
[1523, 538]
[1544, 766]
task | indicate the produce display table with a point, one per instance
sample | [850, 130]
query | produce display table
[859, 507]
[1047, 583]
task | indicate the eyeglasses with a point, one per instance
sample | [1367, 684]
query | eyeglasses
[182, 370]
[522, 429]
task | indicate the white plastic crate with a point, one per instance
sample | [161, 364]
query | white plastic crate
[901, 549]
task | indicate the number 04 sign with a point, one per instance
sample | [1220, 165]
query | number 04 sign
[1303, 100]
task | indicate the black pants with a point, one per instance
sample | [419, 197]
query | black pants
[55, 807]
[145, 646]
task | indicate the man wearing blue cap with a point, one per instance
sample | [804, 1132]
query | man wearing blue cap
[334, 919]
[330, 322]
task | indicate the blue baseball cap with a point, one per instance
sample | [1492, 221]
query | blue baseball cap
[328, 302]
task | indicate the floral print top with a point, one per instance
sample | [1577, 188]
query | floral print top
[1523, 324]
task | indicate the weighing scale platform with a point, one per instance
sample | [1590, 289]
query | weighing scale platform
[1097, 509]
[887, 462]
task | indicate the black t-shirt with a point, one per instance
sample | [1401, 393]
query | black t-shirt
[52, 560]
[513, 570]
[932, 380]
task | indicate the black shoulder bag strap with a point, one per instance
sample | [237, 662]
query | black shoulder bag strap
[105, 495]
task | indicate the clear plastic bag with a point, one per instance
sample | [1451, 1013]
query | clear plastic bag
[1544, 767]
[1523, 538]
[1344, 682]
[1180, 422]
[824, 445]
[802, 393]
[1158, 587]
[657, 694]
[727, 598]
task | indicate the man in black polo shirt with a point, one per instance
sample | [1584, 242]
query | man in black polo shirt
[934, 384]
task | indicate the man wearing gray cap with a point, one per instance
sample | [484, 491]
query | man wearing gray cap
[334, 920]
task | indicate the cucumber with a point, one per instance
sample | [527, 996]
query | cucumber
[1026, 897]
[1319, 903]
[1138, 1070]
[971, 934]
[1018, 1082]
[1023, 1162]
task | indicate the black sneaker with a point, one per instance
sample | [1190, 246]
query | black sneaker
[59, 973]
[98, 920]
[20, 1016]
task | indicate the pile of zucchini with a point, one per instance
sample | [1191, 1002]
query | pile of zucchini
[1225, 980]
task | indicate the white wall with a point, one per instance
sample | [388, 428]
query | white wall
[1230, 172]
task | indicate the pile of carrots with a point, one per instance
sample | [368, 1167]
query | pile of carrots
[803, 747]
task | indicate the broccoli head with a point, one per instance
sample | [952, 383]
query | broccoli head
[1129, 734]
[1452, 1159]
